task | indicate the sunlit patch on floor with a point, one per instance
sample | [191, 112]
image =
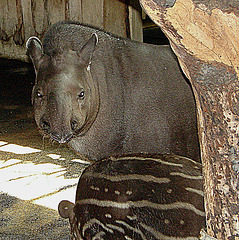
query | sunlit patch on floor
[43, 177]
[58, 157]
[43, 184]
[2, 143]
[17, 149]
[80, 161]
[55, 156]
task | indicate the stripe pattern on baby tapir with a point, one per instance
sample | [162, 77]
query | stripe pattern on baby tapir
[141, 197]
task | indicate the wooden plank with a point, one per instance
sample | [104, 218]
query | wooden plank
[27, 17]
[135, 20]
[55, 10]
[8, 17]
[136, 24]
[9, 24]
[40, 20]
[92, 12]
[73, 10]
[115, 17]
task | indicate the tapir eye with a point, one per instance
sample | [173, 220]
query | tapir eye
[39, 94]
[81, 95]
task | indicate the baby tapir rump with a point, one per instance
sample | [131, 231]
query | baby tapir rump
[107, 95]
[138, 197]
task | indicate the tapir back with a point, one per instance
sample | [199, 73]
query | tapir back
[138, 197]
[144, 104]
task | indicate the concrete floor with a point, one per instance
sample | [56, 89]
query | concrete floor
[35, 174]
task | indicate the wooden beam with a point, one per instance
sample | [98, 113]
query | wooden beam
[116, 17]
[92, 12]
[136, 24]
[204, 36]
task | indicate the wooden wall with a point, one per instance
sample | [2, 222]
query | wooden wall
[20, 19]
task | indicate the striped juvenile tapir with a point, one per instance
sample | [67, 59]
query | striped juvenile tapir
[138, 197]
[105, 95]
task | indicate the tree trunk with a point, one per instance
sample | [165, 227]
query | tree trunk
[204, 36]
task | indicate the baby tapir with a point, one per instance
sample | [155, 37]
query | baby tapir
[105, 95]
[138, 197]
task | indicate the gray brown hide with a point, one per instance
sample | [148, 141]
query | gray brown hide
[107, 95]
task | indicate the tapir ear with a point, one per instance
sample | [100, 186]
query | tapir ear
[86, 52]
[34, 50]
[65, 209]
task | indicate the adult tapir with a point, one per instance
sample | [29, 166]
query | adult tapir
[107, 95]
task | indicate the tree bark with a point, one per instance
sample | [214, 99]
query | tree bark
[204, 36]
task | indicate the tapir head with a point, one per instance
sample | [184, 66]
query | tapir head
[65, 97]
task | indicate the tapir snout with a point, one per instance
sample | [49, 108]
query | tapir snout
[59, 121]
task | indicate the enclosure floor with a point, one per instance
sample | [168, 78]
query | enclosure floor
[35, 175]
